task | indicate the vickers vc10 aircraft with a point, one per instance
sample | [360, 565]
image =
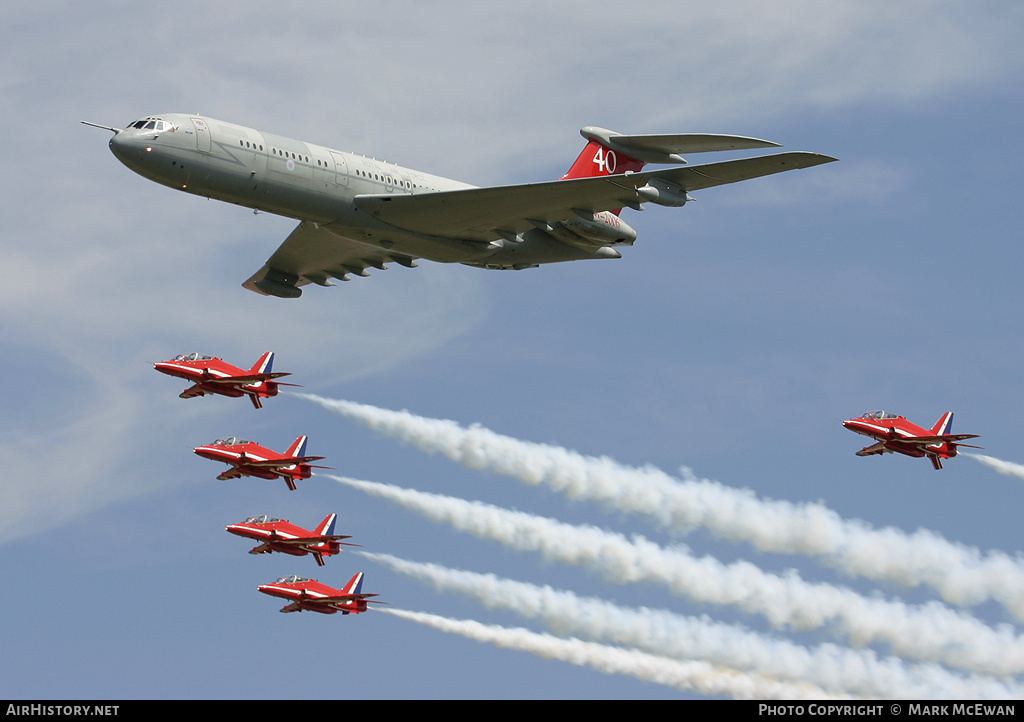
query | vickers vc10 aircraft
[356, 212]
[895, 434]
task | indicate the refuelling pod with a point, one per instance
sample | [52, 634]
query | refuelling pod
[277, 288]
[663, 193]
[606, 229]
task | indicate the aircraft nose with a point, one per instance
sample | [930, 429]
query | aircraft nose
[128, 148]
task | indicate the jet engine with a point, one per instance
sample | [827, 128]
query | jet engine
[663, 193]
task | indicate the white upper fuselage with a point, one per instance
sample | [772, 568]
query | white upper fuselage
[280, 175]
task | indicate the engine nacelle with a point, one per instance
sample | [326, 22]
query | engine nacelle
[606, 229]
[663, 193]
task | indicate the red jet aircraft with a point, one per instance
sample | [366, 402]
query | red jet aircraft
[277, 535]
[250, 459]
[311, 595]
[895, 434]
[212, 376]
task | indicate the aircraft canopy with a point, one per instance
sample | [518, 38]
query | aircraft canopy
[292, 579]
[879, 415]
[230, 441]
[264, 519]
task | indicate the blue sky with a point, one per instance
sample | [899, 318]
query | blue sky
[731, 339]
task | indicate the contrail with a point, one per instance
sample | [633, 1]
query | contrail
[930, 632]
[1003, 467]
[962, 575]
[692, 675]
[665, 634]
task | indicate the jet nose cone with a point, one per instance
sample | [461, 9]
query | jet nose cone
[119, 145]
[128, 148]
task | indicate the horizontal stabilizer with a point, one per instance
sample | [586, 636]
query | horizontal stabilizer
[666, 148]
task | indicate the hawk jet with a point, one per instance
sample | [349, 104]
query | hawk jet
[248, 458]
[895, 434]
[278, 535]
[210, 375]
[312, 596]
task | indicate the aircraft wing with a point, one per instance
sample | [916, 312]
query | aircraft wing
[929, 440]
[273, 463]
[313, 254]
[340, 599]
[878, 448]
[478, 214]
[246, 378]
[192, 391]
[314, 540]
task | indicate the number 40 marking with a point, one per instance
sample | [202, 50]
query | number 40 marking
[605, 160]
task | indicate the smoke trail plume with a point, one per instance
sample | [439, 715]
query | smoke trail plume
[962, 575]
[930, 632]
[1003, 467]
[692, 675]
[665, 634]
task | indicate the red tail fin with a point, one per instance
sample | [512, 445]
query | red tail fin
[264, 364]
[944, 425]
[598, 159]
[298, 447]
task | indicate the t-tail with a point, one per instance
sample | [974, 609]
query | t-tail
[610, 153]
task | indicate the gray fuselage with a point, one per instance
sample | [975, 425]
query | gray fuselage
[312, 183]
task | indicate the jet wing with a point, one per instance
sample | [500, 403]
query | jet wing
[478, 214]
[313, 254]
[192, 391]
[878, 448]
[273, 463]
[930, 440]
[314, 540]
[245, 379]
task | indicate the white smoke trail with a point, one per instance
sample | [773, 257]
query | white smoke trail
[692, 675]
[1003, 467]
[929, 632]
[961, 574]
[665, 634]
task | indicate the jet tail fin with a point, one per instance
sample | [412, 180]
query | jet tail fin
[608, 152]
[298, 447]
[944, 425]
[354, 585]
[264, 364]
[326, 527]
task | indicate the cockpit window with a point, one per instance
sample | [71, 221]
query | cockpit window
[292, 579]
[880, 415]
[230, 441]
[153, 124]
[194, 356]
[263, 519]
